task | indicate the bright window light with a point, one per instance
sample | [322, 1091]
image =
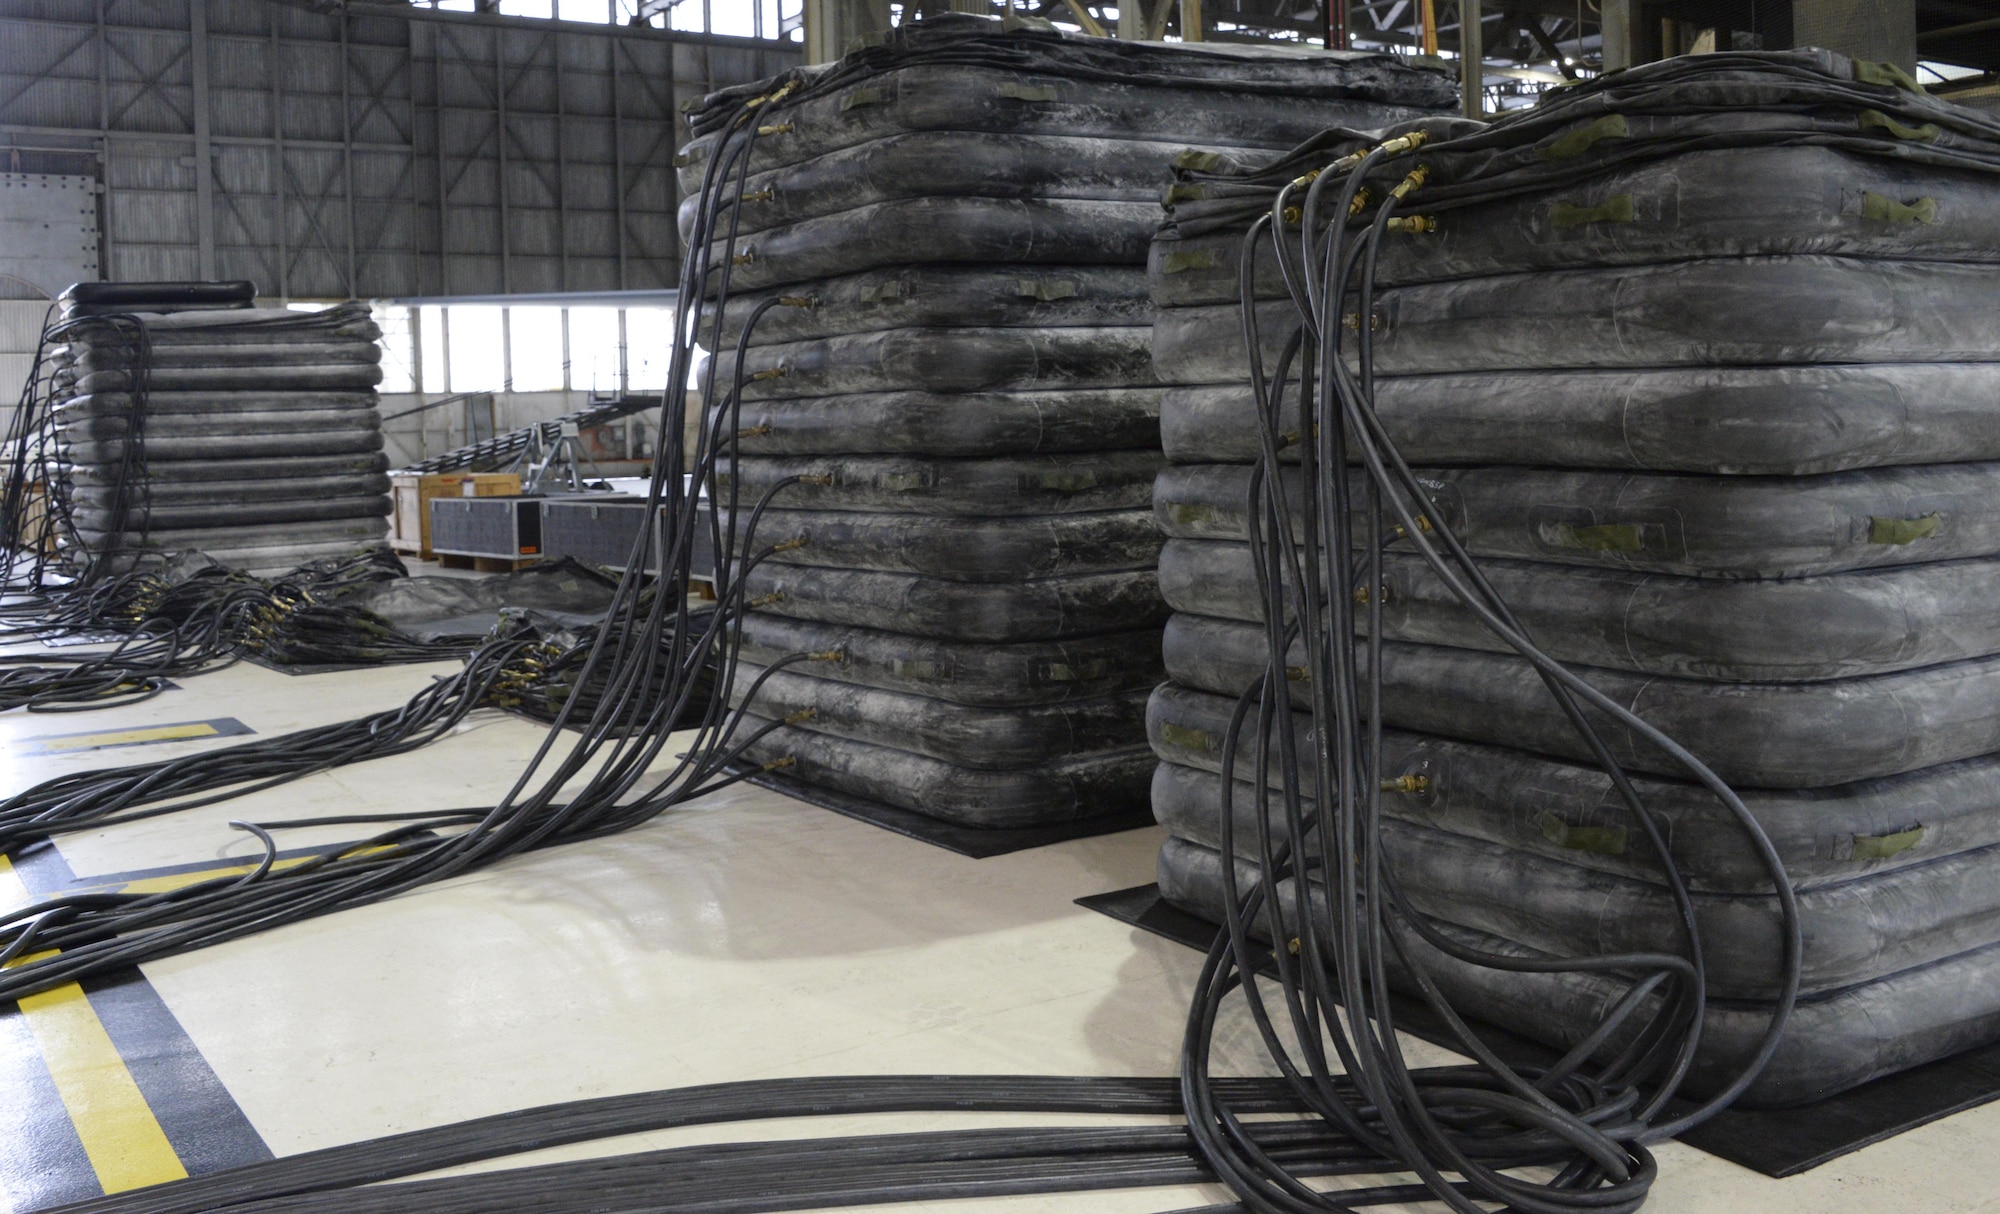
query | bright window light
[537, 338]
[478, 353]
[593, 349]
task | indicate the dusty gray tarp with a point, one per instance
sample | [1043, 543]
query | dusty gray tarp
[949, 425]
[990, 488]
[1044, 609]
[960, 549]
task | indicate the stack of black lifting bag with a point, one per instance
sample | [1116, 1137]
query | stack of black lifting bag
[962, 380]
[187, 420]
[1703, 361]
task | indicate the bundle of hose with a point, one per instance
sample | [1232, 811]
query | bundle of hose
[1700, 363]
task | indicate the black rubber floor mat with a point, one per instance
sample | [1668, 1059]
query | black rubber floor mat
[965, 840]
[1775, 1142]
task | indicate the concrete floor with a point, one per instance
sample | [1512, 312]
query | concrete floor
[741, 937]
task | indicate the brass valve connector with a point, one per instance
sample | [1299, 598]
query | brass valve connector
[1352, 322]
[803, 714]
[1300, 183]
[743, 259]
[771, 98]
[790, 545]
[1416, 786]
[1423, 525]
[828, 655]
[798, 301]
[1413, 225]
[1361, 200]
[775, 764]
[1406, 143]
[758, 377]
[765, 600]
[758, 431]
[1298, 674]
[780, 128]
[1362, 595]
[1418, 176]
[823, 479]
[1293, 214]
[764, 195]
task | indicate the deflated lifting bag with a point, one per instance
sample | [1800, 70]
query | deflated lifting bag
[951, 426]
[1045, 609]
[989, 488]
[961, 549]
[942, 360]
[920, 296]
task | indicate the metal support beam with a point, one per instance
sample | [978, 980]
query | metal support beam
[204, 152]
[1619, 25]
[1881, 30]
[1472, 58]
[500, 146]
[1191, 23]
[277, 154]
[347, 154]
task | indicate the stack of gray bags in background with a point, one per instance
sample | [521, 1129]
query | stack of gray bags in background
[248, 434]
[969, 402]
[1724, 424]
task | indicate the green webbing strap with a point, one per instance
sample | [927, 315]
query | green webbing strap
[916, 668]
[1182, 191]
[1867, 71]
[905, 482]
[1198, 160]
[1615, 209]
[1883, 209]
[1604, 840]
[1188, 737]
[884, 293]
[1187, 513]
[860, 97]
[1881, 847]
[1574, 143]
[1903, 530]
[1876, 120]
[1044, 289]
[1182, 260]
[1605, 537]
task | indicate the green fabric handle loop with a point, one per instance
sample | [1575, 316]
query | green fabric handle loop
[1187, 737]
[1876, 120]
[1616, 209]
[1182, 512]
[1075, 672]
[1881, 847]
[1182, 191]
[1867, 71]
[1028, 92]
[917, 668]
[884, 293]
[1903, 530]
[1574, 143]
[1183, 260]
[1883, 209]
[860, 97]
[1198, 160]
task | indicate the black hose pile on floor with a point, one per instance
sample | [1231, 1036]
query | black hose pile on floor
[939, 349]
[249, 434]
[1701, 363]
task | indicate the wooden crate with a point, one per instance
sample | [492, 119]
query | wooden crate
[411, 494]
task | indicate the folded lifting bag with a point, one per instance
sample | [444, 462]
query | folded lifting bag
[216, 406]
[1041, 232]
[1063, 790]
[217, 514]
[1832, 1042]
[1834, 626]
[1770, 200]
[1570, 811]
[932, 163]
[942, 360]
[332, 378]
[159, 471]
[1856, 931]
[1696, 526]
[1774, 311]
[908, 297]
[74, 427]
[1272, 104]
[1783, 421]
[957, 425]
[960, 549]
[1046, 609]
[177, 493]
[159, 450]
[352, 532]
[972, 673]
[990, 488]
[992, 739]
[234, 356]
[1759, 735]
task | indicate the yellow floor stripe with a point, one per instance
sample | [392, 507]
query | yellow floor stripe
[122, 737]
[121, 1136]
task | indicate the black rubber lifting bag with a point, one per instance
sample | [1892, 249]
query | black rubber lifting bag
[290, 377]
[1856, 931]
[1838, 625]
[1064, 790]
[1046, 609]
[175, 493]
[1758, 735]
[216, 406]
[960, 549]
[988, 739]
[1726, 202]
[1570, 811]
[232, 514]
[942, 360]
[1831, 1043]
[1782, 421]
[253, 448]
[988, 488]
[957, 425]
[972, 673]
[73, 426]
[177, 472]
[178, 357]
[907, 297]
[1696, 526]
